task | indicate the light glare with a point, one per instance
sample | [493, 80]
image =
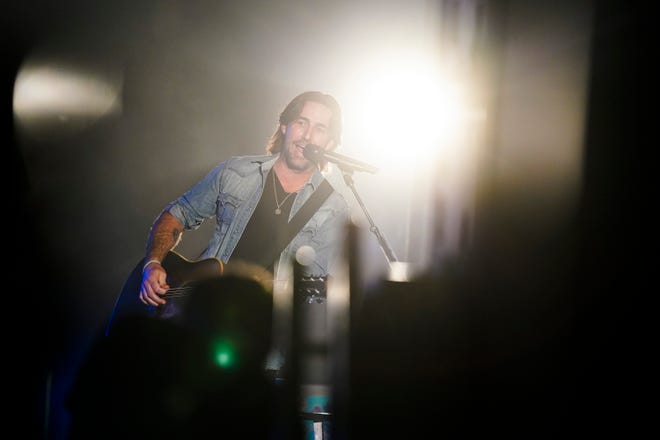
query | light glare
[48, 90]
[406, 116]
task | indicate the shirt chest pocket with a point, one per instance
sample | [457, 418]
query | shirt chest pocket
[227, 207]
[309, 231]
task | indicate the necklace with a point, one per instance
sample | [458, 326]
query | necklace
[279, 204]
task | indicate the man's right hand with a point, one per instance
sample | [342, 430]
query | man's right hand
[154, 285]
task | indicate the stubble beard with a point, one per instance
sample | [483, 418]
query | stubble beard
[294, 165]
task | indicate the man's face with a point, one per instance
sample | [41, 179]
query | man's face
[311, 127]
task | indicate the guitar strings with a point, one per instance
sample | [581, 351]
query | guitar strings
[179, 292]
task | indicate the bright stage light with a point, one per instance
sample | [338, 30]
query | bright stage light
[406, 114]
[52, 99]
[414, 118]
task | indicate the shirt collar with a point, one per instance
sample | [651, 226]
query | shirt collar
[267, 165]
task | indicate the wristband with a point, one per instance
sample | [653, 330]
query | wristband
[149, 262]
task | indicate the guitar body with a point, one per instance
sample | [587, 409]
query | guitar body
[181, 276]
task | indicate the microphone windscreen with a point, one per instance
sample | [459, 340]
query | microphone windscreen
[313, 153]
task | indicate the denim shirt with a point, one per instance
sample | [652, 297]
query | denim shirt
[231, 191]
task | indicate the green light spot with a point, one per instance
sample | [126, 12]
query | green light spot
[224, 354]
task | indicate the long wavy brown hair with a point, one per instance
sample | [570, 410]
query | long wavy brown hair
[293, 110]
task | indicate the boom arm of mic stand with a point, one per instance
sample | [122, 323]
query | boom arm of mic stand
[384, 245]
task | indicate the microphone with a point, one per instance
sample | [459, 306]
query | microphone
[315, 154]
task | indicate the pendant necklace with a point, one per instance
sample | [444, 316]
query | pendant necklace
[278, 211]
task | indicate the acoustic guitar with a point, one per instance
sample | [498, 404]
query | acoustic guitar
[183, 275]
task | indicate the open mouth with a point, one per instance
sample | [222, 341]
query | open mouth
[300, 148]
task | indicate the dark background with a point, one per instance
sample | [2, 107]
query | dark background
[61, 225]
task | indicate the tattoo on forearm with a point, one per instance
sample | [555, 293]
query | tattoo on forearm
[162, 241]
[165, 234]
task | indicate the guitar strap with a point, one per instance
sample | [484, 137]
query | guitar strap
[301, 218]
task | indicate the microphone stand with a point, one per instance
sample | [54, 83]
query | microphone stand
[347, 172]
